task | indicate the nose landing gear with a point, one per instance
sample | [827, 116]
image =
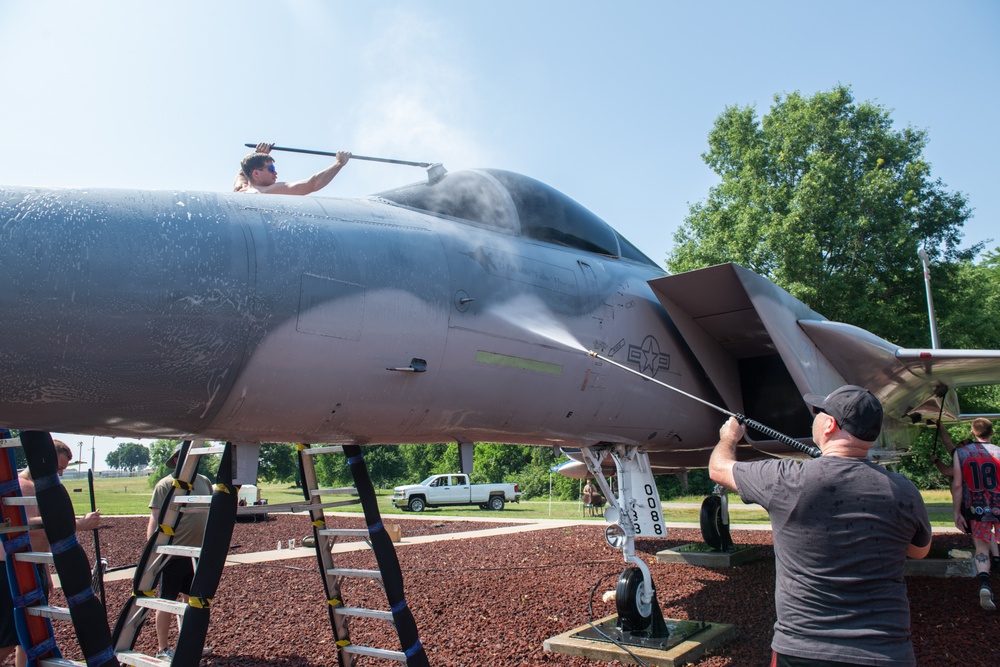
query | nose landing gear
[633, 511]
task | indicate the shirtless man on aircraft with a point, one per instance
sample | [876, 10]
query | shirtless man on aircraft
[258, 175]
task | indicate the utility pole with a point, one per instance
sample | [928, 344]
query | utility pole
[93, 445]
[935, 342]
[80, 457]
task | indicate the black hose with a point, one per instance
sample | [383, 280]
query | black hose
[811, 450]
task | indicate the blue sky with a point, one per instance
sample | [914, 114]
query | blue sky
[609, 102]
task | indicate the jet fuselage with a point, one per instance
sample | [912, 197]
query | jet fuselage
[261, 318]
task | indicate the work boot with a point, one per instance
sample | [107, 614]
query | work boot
[986, 598]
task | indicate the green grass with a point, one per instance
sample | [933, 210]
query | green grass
[130, 495]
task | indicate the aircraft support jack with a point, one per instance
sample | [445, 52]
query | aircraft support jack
[635, 511]
[715, 521]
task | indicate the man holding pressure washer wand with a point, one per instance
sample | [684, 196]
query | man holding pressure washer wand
[842, 528]
[258, 175]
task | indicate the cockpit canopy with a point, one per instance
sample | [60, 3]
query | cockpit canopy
[515, 204]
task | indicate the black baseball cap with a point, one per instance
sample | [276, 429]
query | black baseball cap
[173, 456]
[856, 410]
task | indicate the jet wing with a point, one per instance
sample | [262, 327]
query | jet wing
[740, 326]
[905, 380]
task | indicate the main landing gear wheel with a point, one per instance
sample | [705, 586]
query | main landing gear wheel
[416, 505]
[711, 521]
[632, 614]
[713, 530]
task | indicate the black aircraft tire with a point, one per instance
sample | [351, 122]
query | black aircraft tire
[627, 600]
[711, 521]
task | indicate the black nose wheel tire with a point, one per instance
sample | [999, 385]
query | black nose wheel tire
[632, 614]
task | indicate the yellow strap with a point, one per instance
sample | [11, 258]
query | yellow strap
[200, 603]
[320, 523]
[341, 643]
[164, 528]
[181, 484]
[222, 487]
[333, 602]
[149, 594]
[301, 446]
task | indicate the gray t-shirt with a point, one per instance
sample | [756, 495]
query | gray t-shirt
[190, 530]
[841, 528]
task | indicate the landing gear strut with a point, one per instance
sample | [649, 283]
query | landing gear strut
[634, 511]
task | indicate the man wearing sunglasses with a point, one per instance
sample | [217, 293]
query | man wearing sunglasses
[259, 175]
[842, 529]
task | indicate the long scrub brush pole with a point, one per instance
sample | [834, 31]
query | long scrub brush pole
[750, 423]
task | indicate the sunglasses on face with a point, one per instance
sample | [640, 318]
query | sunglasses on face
[271, 169]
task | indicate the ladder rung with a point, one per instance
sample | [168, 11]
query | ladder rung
[254, 509]
[366, 613]
[34, 557]
[332, 449]
[178, 550]
[398, 656]
[191, 500]
[350, 572]
[308, 507]
[140, 659]
[343, 491]
[10, 442]
[20, 529]
[48, 611]
[20, 501]
[161, 604]
[344, 532]
[60, 662]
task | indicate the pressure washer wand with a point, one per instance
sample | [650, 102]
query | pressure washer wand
[751, 423]
[353, 156]
[435, 170]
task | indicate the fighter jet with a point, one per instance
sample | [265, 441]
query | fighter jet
[479, 305]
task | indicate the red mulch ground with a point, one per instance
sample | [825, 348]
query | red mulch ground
[493, 601]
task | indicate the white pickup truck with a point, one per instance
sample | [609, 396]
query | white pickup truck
[438, 490]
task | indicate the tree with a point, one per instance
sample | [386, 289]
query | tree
[967, 300]
[159, 452]
[278, 463]
[826, 199]
[128, 456]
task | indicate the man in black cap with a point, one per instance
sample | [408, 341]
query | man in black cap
[842, 529]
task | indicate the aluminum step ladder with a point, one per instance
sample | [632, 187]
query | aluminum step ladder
[388, 576]
[33, 615]
[208, 560]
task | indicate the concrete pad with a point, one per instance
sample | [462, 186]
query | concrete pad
[940, 567]
[687, 650]
[701, 554]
